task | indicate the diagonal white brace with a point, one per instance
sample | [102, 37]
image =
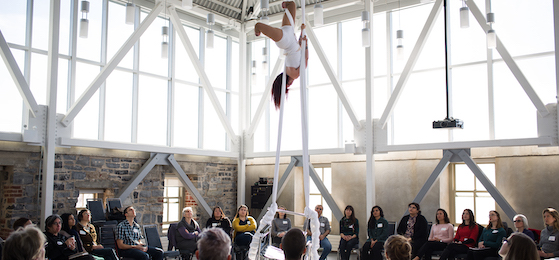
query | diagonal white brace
[186, 182]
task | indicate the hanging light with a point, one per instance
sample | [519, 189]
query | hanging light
[464, 15]
[253, 75]
[187, 4]
[264, 7]
[491, 36]
[365, 32]
[400, 44]
[165, 42]
[130, 13]
[264, 60]
[84, 23]
[210, 38]
[318, 14]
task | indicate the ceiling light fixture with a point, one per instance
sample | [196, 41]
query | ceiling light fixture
[318, 14]
[130, 13]
[265, 7]
[464, 15]
[84, 23]
[365, 32]
[491, 36]
[210, 37]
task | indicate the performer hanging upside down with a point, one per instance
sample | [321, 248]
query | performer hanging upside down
[285, 39]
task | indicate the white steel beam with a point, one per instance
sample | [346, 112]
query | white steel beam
[189, 185]
[108, 69]
[17, 76]
[47, 184]
[335, 81]
[12, 137]
[540, 141]
[538, 103]
[264, 101]
[244, 114]
[325, 194]
[140, 175]
[296, 152]
[369, 94]
[201, 73]
[410, 64]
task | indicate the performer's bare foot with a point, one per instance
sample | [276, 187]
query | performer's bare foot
[285, 3]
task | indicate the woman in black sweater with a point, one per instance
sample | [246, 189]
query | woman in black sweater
[219, 220]
[414, 227]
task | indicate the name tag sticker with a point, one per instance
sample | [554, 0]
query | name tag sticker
[59, 243]
[136, 230]
[82, 232]
[214, 224]
[443, 229]
[551, 238]
[379, 225]
[495, 231]
[322, 224]
[350, 226]
[465, 238]
[285, 222]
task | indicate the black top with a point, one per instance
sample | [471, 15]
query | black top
[223, 223]
[420, 229]
[56, 247]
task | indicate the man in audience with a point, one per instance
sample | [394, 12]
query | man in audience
[213, 244]
[324, 231]
[128, 235]
[293, 244]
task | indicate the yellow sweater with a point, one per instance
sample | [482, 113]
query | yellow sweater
[238, 228]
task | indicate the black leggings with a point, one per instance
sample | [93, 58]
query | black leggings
[374, 253]
[427, 249]
[346, 246]
[482, 254]
[452, 250]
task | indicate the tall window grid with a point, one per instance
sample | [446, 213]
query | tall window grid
[469, 193]
[173, 201]
[315, 198]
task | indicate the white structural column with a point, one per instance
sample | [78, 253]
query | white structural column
[244, 114]
[17, 76]
[108, 69]
[410, 64]
[201, 73]
[556, 28]
[507, 58]
[369, 135]
[47, 185]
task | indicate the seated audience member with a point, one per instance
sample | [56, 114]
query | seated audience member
[68, 224]
[280, 225]
[324, 231]
[349, 232]
[521, 225]
[414, 227]
[377, 230]
[213, 244]
[21, 222]
[60, 247]
[441, 235]
[490, 240]
[549, 238]
[293, 244]
[128, 235]
[219, 220]
[519, 246]
[24, 244]
[397, 247]
[188, 230]
[465, 238]
[90, 239]
[243, 227]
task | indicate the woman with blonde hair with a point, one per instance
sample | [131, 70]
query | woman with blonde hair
[519, 246]
[549, 238]
[25, 244]
[397, 247]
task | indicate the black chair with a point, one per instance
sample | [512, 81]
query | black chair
[113, 203]
[108, 239]
[153, 240]
[95, 206]
[391, 228]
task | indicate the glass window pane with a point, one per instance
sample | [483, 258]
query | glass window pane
[235, 68]
[314, 188]
[10, 99]
[150, 49]
[118, 32]
[379, 44]
[463, 200]
[323, 117]
[152, 111]
[468, 44]
[40, 35]
[165, 211]
[315, 200]
[214, 133]
[90, 47]
[216, 66]
[173, 192]
[118, 107]
[484, 203]
[353, 58]
[13, 20]
[86, 123]
[62, 88]
[38, 81]
[327, 179]
[174, 212]
[186, 116]
[183, 65]
[489, 170]
[464, 178]
[65, 15]
[327, 36]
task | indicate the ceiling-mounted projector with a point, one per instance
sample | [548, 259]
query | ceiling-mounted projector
[449, 123]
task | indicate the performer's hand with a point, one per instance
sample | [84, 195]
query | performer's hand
[303, 26]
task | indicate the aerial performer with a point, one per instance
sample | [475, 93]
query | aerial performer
[286, 40]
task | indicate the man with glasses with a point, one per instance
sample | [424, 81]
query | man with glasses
[324, 231]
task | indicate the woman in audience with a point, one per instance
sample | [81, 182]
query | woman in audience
[60, 247]
[68, 224]
[397, 247]
[188, 230]
[349, 232]
[465, 238]
[377, 230]
[519, 246]
[27, 243]
[219, 220]
[243, 227]
[549, 238]
[21, 222]
[280, 225]
[521, 225]
[414, 227]
[90, 239]
[490, 240]
[441, 235]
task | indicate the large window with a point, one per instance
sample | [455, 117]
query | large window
[469, 193]
[315, 198]
[173, 201]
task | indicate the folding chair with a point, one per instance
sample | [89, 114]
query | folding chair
[95, 206]
[153, 240]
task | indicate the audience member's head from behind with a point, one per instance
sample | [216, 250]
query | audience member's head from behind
[397, 247]
[27, 243]
[53, 224]
[293, 244]
[21, 222]
[519, 246]
[213, 244]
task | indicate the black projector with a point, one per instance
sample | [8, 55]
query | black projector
[449, 123]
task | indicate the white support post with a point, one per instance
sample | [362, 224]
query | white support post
[108, 69]
[507, 58]
[330, 72]
[369, 83]
[244, 114]
[47, 184]
[201, 73]
[189, 185]
[17, 76]
[410, 64]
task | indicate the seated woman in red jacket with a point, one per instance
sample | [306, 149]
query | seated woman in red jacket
[465, 238]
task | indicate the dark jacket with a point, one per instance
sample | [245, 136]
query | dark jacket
[420, 230]
[56, 247]
[223, 223]
[377, 230]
